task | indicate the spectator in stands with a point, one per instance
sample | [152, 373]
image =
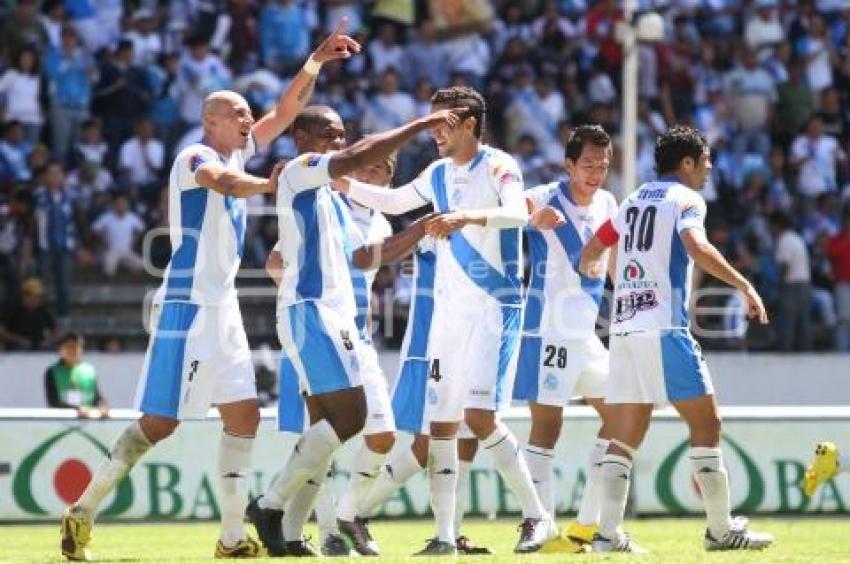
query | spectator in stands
[16, 228]
[147, 44]
[835, 119]
[28, 324]
[816, 155]
[795, 103]
[91, 148]
[20, 90]
[69, 75]
[384, 50]
[71, 383]
[815, 48]
[57, 234]
[752, 94]
[284, 35]
[424, 58]
[23, 29]
[764, 30]
[243, 38]
[14, 154]
[200, 72]
[141, 160]
[390, 107]
[119, 229]
[121, 95]
[838, 251]
[794, 315]
[52, 19]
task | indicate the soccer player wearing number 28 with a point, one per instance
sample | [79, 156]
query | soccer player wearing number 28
[654, 360]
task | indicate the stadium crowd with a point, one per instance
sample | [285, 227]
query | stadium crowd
[97, 95]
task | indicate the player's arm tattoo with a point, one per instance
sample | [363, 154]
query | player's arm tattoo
[306, 91]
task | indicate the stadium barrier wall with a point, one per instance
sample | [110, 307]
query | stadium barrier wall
[740, 379]
[47, 457]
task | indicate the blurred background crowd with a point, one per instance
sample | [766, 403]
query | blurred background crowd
[97, 95]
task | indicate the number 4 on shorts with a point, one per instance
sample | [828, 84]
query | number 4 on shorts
[435, 370]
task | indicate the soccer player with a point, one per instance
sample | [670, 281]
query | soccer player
[198, 353]
[316, 307]
[560, 355]
[660, 234]
[477, 191]
[827, 464]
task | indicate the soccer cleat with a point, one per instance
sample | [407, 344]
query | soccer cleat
[245, 548]
[436, 547]
[300, 548]
[534, 533]
[621, 543]
[466, 546]
[738, 537]
[578, 533]
[267, 523]
[822, 469]
[358, 535]
[335, 545]
[76, 534]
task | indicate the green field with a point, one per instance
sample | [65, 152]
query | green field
[670, 540]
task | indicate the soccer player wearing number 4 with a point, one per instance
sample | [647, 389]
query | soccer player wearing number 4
[198, 352]
[561, 357]
[654, 360]
[477, 308]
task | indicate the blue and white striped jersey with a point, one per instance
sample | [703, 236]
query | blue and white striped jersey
[653, 282]
[558, 297]
[207, 230]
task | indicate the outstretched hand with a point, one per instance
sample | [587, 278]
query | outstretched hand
[337, 45]
[546, 218]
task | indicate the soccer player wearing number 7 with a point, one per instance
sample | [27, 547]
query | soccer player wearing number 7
[660, 234]
[477, 190]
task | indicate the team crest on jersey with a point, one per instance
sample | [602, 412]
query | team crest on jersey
[550, 382]
[629, 305]
[196, 161]
[633, 271]
[456, 197]
[311, 160]
[691, 212]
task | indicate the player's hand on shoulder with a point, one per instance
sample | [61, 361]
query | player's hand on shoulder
[547, 217]
[274, 176]
[337, 45]
[755, 307]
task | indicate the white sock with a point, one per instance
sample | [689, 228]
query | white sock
[540, 462]
[588, 511]
[713, 481]
[300, 505]
[325, 507]
[401, 466]
[313, 450]
[127, 449]
[442, 477]
[844, 463]
[462, 495]
[502, 446]
[365, 469]
[615, 472]
[234, 465]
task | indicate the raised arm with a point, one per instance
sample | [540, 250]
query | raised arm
[709, 259]
[393, 248]
[216, 176]
[300, 90]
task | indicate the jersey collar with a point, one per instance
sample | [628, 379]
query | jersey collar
[479, 156]
[564, 185]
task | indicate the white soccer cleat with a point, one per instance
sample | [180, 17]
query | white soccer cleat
[622, 542]
[534, 533]
[738, 537]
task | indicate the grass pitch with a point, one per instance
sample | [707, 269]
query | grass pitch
[669, 540]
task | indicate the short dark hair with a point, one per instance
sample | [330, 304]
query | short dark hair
[310, 117]
[463, 97]
[71, 337]
[675, 145]
[590, 134]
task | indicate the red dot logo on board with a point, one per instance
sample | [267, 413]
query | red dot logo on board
[70, 479]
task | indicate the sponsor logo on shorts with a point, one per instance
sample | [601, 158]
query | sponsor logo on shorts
[629, 305]
[550, 382]
[345, 335]
[480, 393]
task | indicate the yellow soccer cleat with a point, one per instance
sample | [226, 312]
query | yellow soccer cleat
[245, 548]
[578, 533]
[76, 535]
[560, 545]
[822, 469]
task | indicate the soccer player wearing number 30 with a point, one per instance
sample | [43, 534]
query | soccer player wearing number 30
[477, 308]
[654, 360]
[198, 353]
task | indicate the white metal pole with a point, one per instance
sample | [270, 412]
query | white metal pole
[630, 101]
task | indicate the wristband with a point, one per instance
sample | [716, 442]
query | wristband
[312, 67]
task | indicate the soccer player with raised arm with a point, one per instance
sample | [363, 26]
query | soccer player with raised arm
[477, 190]
[316, 303]
[654, 360]
[198, 353]
[561, 356]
